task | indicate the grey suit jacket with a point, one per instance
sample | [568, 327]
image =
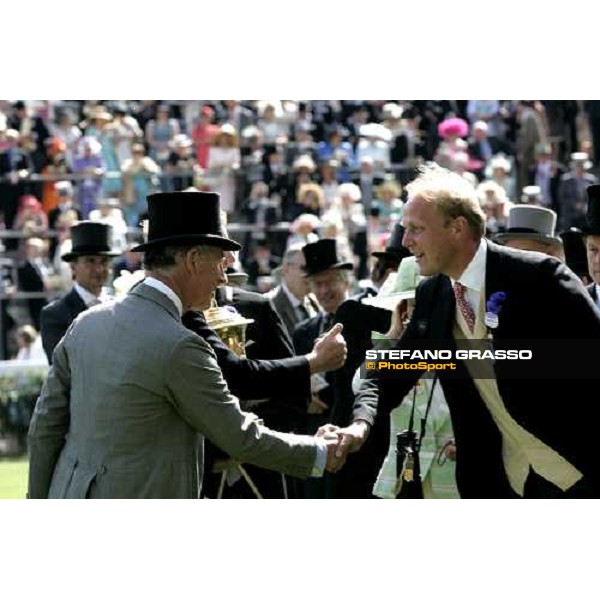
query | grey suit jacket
[120, 411]
[286, 311]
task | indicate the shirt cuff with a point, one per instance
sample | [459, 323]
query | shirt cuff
[320, 459]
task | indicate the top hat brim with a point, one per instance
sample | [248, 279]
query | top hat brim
[321, 268]
[593, 229]
[200, 239]
[69, 256]
[503, 237]
[392, 254]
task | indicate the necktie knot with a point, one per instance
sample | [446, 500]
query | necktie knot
[464, 306]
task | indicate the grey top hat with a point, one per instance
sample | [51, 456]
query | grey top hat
[526, 222]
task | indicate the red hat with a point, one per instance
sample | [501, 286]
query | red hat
[207, 111]
[29, 201]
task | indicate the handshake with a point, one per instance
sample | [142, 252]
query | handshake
[342, 441]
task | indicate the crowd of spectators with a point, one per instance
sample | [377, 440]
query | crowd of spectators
[287, 172]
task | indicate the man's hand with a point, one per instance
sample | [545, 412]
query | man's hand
[329, 352]
[399, 319]
[350, 439]
[317, 406]
[328, 433]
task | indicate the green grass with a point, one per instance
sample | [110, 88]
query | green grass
[13, 477]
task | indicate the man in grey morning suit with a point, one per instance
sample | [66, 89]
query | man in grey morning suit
[131, 387]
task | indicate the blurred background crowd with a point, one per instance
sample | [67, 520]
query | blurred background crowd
[288, 172]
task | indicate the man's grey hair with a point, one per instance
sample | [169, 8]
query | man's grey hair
[165, 258]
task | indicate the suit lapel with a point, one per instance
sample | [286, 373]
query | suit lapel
[285, 306]
[74, 303]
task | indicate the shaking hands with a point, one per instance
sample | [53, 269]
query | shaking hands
[342, 441]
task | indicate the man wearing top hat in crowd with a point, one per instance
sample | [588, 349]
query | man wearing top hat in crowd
[130, 428]
[90, 259]
[330, 280]
[359, 321]
[512, 435]
[292, 298]
[591, 232]
[532, 228]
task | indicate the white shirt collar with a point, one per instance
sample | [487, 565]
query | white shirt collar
[88, 298]
[473, 277]
[167, 291]
[293, 300]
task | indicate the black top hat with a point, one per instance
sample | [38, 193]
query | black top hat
[322, 255]
[575, 253]
[185, 219]
[394, 250]
[90, 239]
[592, 221]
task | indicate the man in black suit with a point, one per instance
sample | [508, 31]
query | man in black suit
[514, 437]
[271, 381]
[33, 277]
[330, 280]
[90, 258]
[591, 232]
[357, 478]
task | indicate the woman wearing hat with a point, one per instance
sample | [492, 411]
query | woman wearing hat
[452, 131]
[160, 132]
[182, 166]
[31, 218]
[89, 165]
[495, 204]
[99, 126]
[388, 204]
[140, 178]
[498, 170]
[203, 133]
[66, 130]
[223, 162]
[56, 166]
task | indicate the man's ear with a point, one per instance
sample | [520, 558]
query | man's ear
[190, 260]
[460, 224]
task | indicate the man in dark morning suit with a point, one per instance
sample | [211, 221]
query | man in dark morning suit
[514, 437]
[274, 381]
[358, 476]
[90, 257]
[330, 280]
[292, 298]
[591, 233]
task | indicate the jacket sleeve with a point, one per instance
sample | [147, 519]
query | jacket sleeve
[253, 379]
[53, 328]
[197, 390]
[49, 425]
[380, 395]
